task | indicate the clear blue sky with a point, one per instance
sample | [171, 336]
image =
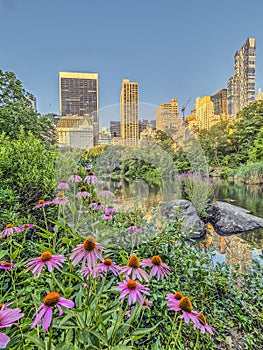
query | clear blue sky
[172, 48]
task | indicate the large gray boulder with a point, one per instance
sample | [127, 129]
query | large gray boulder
[230, 219]
[184, 209]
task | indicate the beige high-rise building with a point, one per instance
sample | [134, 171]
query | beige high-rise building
[129, 112]
[167, 115]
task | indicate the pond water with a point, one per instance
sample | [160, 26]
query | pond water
[232, 249]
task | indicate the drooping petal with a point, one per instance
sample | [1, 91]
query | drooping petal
[47, 318]
[39, 316]
[4, 340]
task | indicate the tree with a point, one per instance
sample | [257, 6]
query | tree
[16, 111]
[256, 151]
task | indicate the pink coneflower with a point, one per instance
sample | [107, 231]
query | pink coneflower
[147, 304]
[46, 258]
[133, 269]
[60, 199]
[91, 178]
[110, 210]
[86, 272]
[98, 206]
[88, 252]
[134, 290]
[9, 231]
[42, 203]
[75, 178]
[63, 185]
[107, 265]
[159, 268]
[83, 193]
[46, 309]
[173, 300]
[106, 192]
[186, 307]
[93, 204]
[22, 228]
[134, 229]
[202, 325]
[5, 265]
[107, 217]
[7, 319]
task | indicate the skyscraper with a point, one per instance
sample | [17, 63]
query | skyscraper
[79, 96]
[219, 100]
[241, 87]
[167, 115]
[129, 112]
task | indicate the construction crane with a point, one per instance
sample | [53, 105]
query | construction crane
[183, 108]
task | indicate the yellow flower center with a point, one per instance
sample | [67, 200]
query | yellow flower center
[9, 226]
[83, 189]
[202, 318]
[156, 260]
[51, 299]
[41, 201]
[89, 244]
[107, 261]
[131, 284]
[134, 261]
[178, 295]
[185, 304]
[45, 256]
[1, 306]
[60, 195]
[91, 173]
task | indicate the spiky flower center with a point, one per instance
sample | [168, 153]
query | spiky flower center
[185, 304]
[91, 173]
[89, 244]
[134, 261]
[51, 299]
[63, 180]
[178, 295]
[5, 263]
[9, 226]
[202, 319]
[105, 188]
[41, 201]
[107, 261]
[156, 260]
[45, 256]
[60, 195]
[99, 203]
[1, 306]
[83, 189]
[131, 284]
[132, 224]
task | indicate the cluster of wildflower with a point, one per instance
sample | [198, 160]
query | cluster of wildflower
[178, 302]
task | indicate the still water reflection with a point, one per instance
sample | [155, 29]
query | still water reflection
[235, 249]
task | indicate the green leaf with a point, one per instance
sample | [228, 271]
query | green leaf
[3, 253]
[38, 342]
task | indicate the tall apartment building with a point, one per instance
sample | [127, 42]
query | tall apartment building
[129, 112]
[219, 100]
[241, 87]
[115, 128]
[205, 113]
[79, 96]
[167, 115]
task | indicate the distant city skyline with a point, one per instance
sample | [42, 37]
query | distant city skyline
[172, 49]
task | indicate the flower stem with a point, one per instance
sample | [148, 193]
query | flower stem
[177, 335]
[50, 336]
[57, 282]
[171, 333]
[197, 340]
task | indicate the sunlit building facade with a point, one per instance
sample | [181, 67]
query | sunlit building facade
[167, 115]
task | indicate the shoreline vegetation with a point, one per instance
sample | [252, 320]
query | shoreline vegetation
[78, 272]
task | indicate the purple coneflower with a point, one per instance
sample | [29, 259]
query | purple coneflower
[8, 231]
[83, 193]
[107, 265]
[202, 325]
[159, 268]
[5, 265]
[46, 258]
[134, 290]
[91, 178]
[107, 217]
[173, 300]
[7, 319]
[184, 304]
[75, 178]
[98, 206]
[42, 203]
[134, 229]
[93, 204]
[88, 252]
[110, 210]
[63, 185]
[147, 304]
[22, 228]
[106, 192]
[133, 269]
[46, 309]
[60, 199]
